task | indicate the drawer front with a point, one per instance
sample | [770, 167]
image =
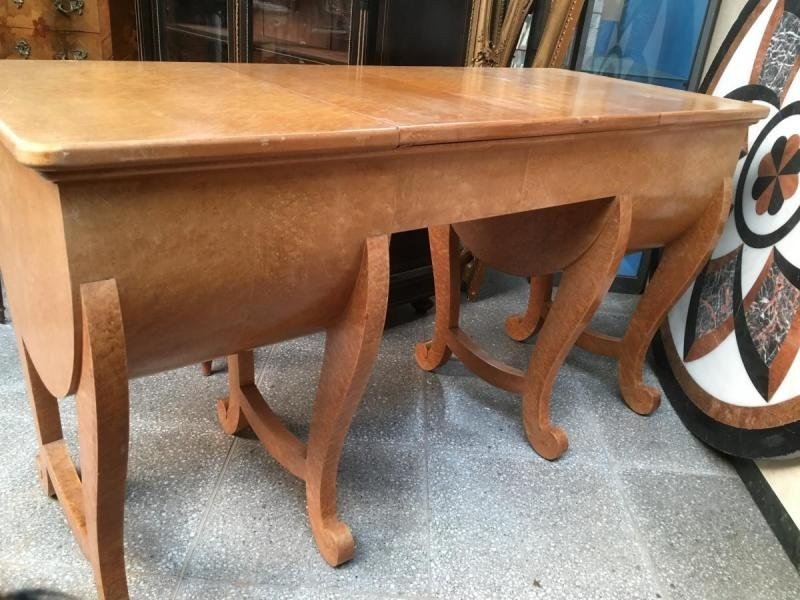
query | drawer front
[25, 44]
[68, 15]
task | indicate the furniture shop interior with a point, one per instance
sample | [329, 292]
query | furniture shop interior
[383, 299]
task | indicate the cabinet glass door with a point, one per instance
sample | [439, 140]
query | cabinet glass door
[194, 30]
[302, 31]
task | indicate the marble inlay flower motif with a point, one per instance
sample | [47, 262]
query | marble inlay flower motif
[777, 175]
[752, 291]
[713, 299]
[771, 314]
[732, 341]
[782, 53]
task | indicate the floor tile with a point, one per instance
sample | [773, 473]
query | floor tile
[510, 528]
[258, 532]
[392, 406]
[197, 589]
[658, 440]
[172, 469]
[43, 580]
[707, 538]
[466, 413]
[11, 372]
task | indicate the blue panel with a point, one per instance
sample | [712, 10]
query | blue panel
[645, 40]
[629, 267]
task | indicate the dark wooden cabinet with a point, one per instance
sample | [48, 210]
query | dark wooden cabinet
[418, 32]
[421, 32]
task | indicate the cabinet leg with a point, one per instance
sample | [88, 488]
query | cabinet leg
[447, 283]
[351, 346]
[680, 263]
[581, 290]
[94, 501]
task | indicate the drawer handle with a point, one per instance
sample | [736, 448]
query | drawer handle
[19, 3]
[66, 7]
[23, 48]
[77, 54]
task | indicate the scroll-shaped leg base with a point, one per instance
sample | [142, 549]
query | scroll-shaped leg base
[241, 373]
[447, 283]
[521, 327]
[351, 346]
[94, 501]
[680, 264]
[582, 288]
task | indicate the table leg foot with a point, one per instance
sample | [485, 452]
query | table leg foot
[207, 368]
[351, 346]
[447, 283]
[679, 265]
[241, 373]
[521, 327]
[582, 288]
[93, 501]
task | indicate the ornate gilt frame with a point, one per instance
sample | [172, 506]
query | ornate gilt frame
[488, 47]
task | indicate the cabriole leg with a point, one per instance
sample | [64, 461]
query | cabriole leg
[582, 288]
[351, 346]
[680, 264]
[94, 501]
[447, 283]
[521, 327]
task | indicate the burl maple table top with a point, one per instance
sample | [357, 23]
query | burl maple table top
[112, 114]
[154, 215]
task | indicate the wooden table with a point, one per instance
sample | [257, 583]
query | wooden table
[156, 215]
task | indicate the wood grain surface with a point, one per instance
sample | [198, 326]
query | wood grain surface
[158, 215]
[140, 113]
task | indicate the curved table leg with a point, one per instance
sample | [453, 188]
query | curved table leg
[447, 283]
[679, 265]
[476, 281]
[521, 327]
[351, 346]
[582, 288]
[94, 501]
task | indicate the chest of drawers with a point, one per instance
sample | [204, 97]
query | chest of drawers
[67, 30]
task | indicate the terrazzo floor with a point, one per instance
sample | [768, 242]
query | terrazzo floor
[443, 494]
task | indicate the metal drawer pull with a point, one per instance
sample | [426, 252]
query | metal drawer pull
[23, 48]
[19, 3]
[77, 54]
[66, 7]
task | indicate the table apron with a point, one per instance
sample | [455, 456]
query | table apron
[211, 262]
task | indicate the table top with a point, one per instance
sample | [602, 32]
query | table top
[58, 115]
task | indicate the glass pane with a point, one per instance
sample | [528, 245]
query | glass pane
[195, 30]
[518, 58]
[652, 41]
[301, 31]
